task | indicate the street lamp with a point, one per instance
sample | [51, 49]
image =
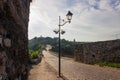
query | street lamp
[69, 17]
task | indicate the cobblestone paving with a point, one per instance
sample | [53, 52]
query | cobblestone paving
[79, 71]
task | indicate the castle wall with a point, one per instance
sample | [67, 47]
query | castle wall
[96, 52]
[14, 17]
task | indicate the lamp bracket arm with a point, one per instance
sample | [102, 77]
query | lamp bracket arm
[64, 23]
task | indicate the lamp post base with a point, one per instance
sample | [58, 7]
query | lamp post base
[58, 76]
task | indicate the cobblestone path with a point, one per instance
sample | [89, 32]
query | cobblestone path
[79, 71]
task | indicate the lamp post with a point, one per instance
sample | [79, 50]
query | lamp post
[69, 17]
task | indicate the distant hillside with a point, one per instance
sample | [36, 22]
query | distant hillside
[36, 42]
[67, 47]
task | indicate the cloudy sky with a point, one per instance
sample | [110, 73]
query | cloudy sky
[93, 20]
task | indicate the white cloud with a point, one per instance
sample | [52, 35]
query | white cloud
[92, 19]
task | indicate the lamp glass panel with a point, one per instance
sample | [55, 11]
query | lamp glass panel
[69, 17]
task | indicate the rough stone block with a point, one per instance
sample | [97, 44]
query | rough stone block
[7, 42]
[1, 44]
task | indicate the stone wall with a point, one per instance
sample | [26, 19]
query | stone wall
[96, 52]
[14, 17]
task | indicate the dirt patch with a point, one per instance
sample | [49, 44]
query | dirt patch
[42, 71]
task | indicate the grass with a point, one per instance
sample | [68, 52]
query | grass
[34, 54]
[114, 65]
